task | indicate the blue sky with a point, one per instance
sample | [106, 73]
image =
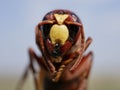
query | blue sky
[101, 19]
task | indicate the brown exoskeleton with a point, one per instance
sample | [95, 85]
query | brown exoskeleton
[63, 65]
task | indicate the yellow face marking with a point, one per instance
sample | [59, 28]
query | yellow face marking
[60, 18]
[59, 33]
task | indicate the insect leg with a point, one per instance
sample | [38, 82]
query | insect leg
[87, 43]
[85, 64]
[40, 43]
[80, 50]
[81, 70]
[22, 80]
[85, 46]
[85, 69]
[33, 57]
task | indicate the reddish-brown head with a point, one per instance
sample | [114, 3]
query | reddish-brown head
[61, 29]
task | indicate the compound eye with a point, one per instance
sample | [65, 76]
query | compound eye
[73, 30]
[46, 30]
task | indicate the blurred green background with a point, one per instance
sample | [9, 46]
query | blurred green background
[101, 20]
